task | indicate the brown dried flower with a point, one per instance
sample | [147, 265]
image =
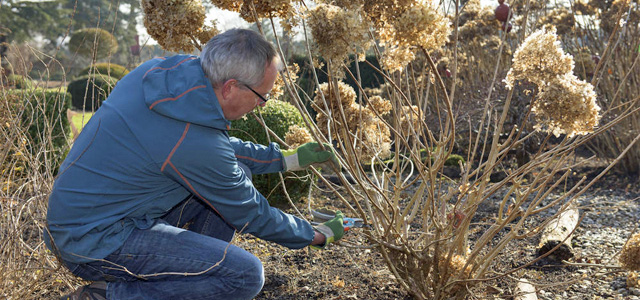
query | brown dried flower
[404, 25]
[410, 118]
[174, 24]
[396, 58]
[372, 136]
[232, 5]
[337, 31]
[205, 33]
[630, 17]
[346, 96]
[566, 105]
[454, 267]
[630, 254]
[380, 105]
[296, 136]
[346, 4]
[582, 7]
[633, 280]
[279, 86]
[585, 65]
[561, 18]
[265, 9]
[539, 59]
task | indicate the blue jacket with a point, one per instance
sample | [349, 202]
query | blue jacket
[160, 137]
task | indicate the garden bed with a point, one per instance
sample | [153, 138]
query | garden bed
[609, 211]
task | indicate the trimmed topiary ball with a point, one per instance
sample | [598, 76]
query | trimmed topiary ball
[108, 69]
[88, 92]
[279, 116]
[90, 42]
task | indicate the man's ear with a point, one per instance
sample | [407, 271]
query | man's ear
[227, 87]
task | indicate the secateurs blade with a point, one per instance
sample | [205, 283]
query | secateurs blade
[348, 223]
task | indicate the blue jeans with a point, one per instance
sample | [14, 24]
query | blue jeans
[167, 261]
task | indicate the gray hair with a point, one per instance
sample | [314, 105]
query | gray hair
[239, 54]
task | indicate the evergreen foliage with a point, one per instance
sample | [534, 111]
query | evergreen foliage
[107, 69]
[279, 116]
[93, 41]
[44, 113]
[88, 92]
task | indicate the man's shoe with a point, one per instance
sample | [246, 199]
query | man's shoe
[94, 291]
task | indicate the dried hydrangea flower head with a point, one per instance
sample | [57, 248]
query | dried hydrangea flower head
[403, 25]
[585, 63]
[476, 22]
[630, 254]
[561, 18]
[265, 9]
[248, 10]
[346, 4]
[396, 58]
[205, 33]
[379, 105]
[345, 97]
[175, 24]
[279, 86]
[372, 136]
[409, 119]
[566, 106]
[539, 59]
[630, 17]
[584, 7]
[337, 32]
[296, 136]
[232, 5]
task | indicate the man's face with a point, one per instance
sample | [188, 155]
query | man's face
[238, 99]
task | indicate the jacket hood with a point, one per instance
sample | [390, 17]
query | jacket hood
[177, 87]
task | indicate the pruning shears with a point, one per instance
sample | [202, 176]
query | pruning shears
[326, 215]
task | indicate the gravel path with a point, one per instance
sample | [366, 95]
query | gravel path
[609, 219]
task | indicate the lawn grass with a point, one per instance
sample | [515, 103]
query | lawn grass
[78, 119]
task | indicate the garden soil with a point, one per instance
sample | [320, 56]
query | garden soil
[351, 270]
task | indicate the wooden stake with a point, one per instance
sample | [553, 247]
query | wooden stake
[525, 291]
[558, 231]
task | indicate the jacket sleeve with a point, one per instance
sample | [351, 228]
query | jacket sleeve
[260, 159]
[208, 168]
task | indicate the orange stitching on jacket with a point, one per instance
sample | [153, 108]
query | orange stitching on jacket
[166, 161]
[176, 98]
[198, 194]
[256, 160]
[160, 68]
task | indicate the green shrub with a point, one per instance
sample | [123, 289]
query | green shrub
[108, 69]
[279, 116]
[88, 92]
[19, 82]
[44, 113]
[453, 160]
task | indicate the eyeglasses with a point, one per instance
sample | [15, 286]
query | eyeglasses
[264, 99]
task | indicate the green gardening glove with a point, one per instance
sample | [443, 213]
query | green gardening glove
[310, 153]
[332, 230]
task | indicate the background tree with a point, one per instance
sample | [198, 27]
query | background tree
[116, 17]
[22, 21]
